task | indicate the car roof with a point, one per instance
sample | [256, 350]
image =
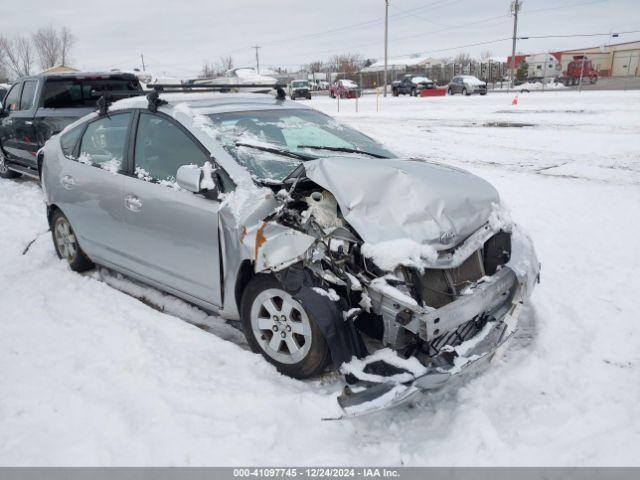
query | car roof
[83, 75]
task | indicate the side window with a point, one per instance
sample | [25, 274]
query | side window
[69, 140]
[104, 142]
[28, 95]
[12, 100]
[161, 148]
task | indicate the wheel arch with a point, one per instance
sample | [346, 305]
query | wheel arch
[244, 276]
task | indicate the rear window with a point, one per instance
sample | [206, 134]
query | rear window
[69, 140]
[78, 93]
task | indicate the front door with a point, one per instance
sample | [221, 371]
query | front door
[17, 131]
[172, 234]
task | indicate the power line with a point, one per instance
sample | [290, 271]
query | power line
[571, 35]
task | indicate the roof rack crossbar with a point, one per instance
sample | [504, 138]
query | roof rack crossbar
[220, 87]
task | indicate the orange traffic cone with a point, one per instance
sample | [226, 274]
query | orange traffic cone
[515, 100]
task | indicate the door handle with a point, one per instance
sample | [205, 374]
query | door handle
[132, 203]
[67, 182]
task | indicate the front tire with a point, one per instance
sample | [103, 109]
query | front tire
[282, 330]
[450, 91]
[4, 168]
[465, 91]
[66, 244]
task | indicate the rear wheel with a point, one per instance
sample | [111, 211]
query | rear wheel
[4, 168]
[465, 92]
[450, 91]
[282, 330]
[66, 244]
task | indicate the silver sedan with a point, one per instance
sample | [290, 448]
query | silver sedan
[327, 247]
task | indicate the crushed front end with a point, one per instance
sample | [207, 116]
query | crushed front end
[397, 327]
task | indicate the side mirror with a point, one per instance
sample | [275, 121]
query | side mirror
[189, 177]
[196, 179]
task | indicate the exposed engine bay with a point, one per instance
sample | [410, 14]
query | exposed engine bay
[394, 332]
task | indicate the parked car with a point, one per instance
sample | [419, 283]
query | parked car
[300, 88]
[39, 106]
[467, 85]
[411, 85]
[312, 234]
[345, 89]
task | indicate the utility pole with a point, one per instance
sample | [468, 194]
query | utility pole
[386, 43]
[516, 5]
[257, 48]
[142, 58]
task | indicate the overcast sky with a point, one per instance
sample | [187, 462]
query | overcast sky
[177, 36]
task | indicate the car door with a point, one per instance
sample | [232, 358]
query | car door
[91, 181]
[173, 233]
[454, 85]
[19, 139]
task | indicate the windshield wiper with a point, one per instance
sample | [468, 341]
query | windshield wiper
[278, 151]
[343, 149]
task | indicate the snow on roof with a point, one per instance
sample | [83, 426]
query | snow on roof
[401, 62]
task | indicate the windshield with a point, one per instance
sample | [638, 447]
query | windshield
[272, 143]
[299, 84]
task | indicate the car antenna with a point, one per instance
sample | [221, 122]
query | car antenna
[155, 101]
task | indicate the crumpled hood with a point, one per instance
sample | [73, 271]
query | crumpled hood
[393, 199]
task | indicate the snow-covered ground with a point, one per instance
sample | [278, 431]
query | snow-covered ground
[90, 375]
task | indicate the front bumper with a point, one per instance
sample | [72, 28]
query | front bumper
[377, 392]
[499, 299]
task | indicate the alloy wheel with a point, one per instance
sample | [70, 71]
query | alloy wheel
[66, 242]
[281, 326]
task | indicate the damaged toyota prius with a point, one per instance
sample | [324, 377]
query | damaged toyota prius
[332, 251]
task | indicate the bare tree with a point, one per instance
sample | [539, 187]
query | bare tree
[48, 47]
[315, 66]
[486, 55]
[207, 70]
[223, 64]
[346, 63]
[210, 69]
[17, 55]
[67, 41]
[463, 58]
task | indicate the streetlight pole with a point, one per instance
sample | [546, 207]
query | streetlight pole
[515, 8]
[386, 43]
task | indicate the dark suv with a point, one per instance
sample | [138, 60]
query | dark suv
[411, 85]
[37, 107]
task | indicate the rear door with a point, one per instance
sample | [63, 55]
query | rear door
[91, 180]
[172, 233]
[18, 134]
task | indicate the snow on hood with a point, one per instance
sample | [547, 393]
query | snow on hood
[392, 202]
